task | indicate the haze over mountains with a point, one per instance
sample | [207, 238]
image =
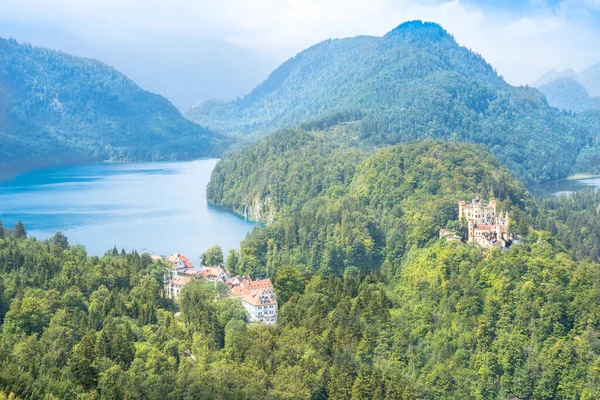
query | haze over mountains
[572, 91]
[415, 82]
[59, 109]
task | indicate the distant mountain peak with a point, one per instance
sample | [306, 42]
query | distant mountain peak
[567, 93]
[419, 29]
[589, 79]
[553, 74]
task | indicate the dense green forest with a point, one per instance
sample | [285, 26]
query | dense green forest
[327, 211]
[372, 304]
[415, 82]
[56, 108]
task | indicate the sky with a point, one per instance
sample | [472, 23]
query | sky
[196, 50]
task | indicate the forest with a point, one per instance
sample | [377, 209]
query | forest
[59, 109]
[371, 304]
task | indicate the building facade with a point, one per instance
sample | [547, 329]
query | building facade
[259, 300]
[175, 285]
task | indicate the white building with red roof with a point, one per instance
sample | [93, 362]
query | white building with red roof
[175, 285]
[180, 261]
[213, 274]
[259, 300]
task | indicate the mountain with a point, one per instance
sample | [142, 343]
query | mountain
[58, 109]
[561, 90]
[414, 60]
[415, 82]
[568, 94]
[590, 78]
[553, 75]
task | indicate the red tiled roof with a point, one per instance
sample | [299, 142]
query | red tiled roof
[263, 283]
[240, 291]
[188, 271]
[211, 271]
[260, 298]
[181, 280]
[186, 261]
[255, 293]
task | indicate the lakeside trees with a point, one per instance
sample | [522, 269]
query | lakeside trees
[213, 256]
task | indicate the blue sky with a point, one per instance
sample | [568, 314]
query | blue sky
[193, 50]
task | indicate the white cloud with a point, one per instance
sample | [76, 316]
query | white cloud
[521, 45]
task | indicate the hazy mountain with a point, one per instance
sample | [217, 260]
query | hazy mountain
[56, 108]
[186, 70]
[414, 82]
[568, 94]
[565, 94]
[553, 75]
[590, 78]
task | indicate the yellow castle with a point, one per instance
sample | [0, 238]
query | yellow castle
[486, 226]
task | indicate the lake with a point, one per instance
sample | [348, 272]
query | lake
[563, 187]
[159, 208]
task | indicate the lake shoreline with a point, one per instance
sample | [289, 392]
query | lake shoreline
[578, 177]
[158, 207]
[565, 186]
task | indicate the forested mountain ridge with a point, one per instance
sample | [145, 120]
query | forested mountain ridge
[414, 82]
[283, 171]
[56, 108]
[429, 319]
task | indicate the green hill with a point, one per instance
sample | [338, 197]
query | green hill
[415, 82]
[336, 206]
[378, 307]
[56, 108]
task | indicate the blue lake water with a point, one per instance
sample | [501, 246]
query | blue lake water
[563, 187]
[159, 208]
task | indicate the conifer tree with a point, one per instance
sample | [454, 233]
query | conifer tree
[19, 230]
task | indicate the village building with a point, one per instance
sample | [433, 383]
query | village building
[180, 262]
[257, 297]
[259, 300]
[175, 285]
[213, 274]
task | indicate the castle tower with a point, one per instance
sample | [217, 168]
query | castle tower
[471, 238]
[461, 210]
